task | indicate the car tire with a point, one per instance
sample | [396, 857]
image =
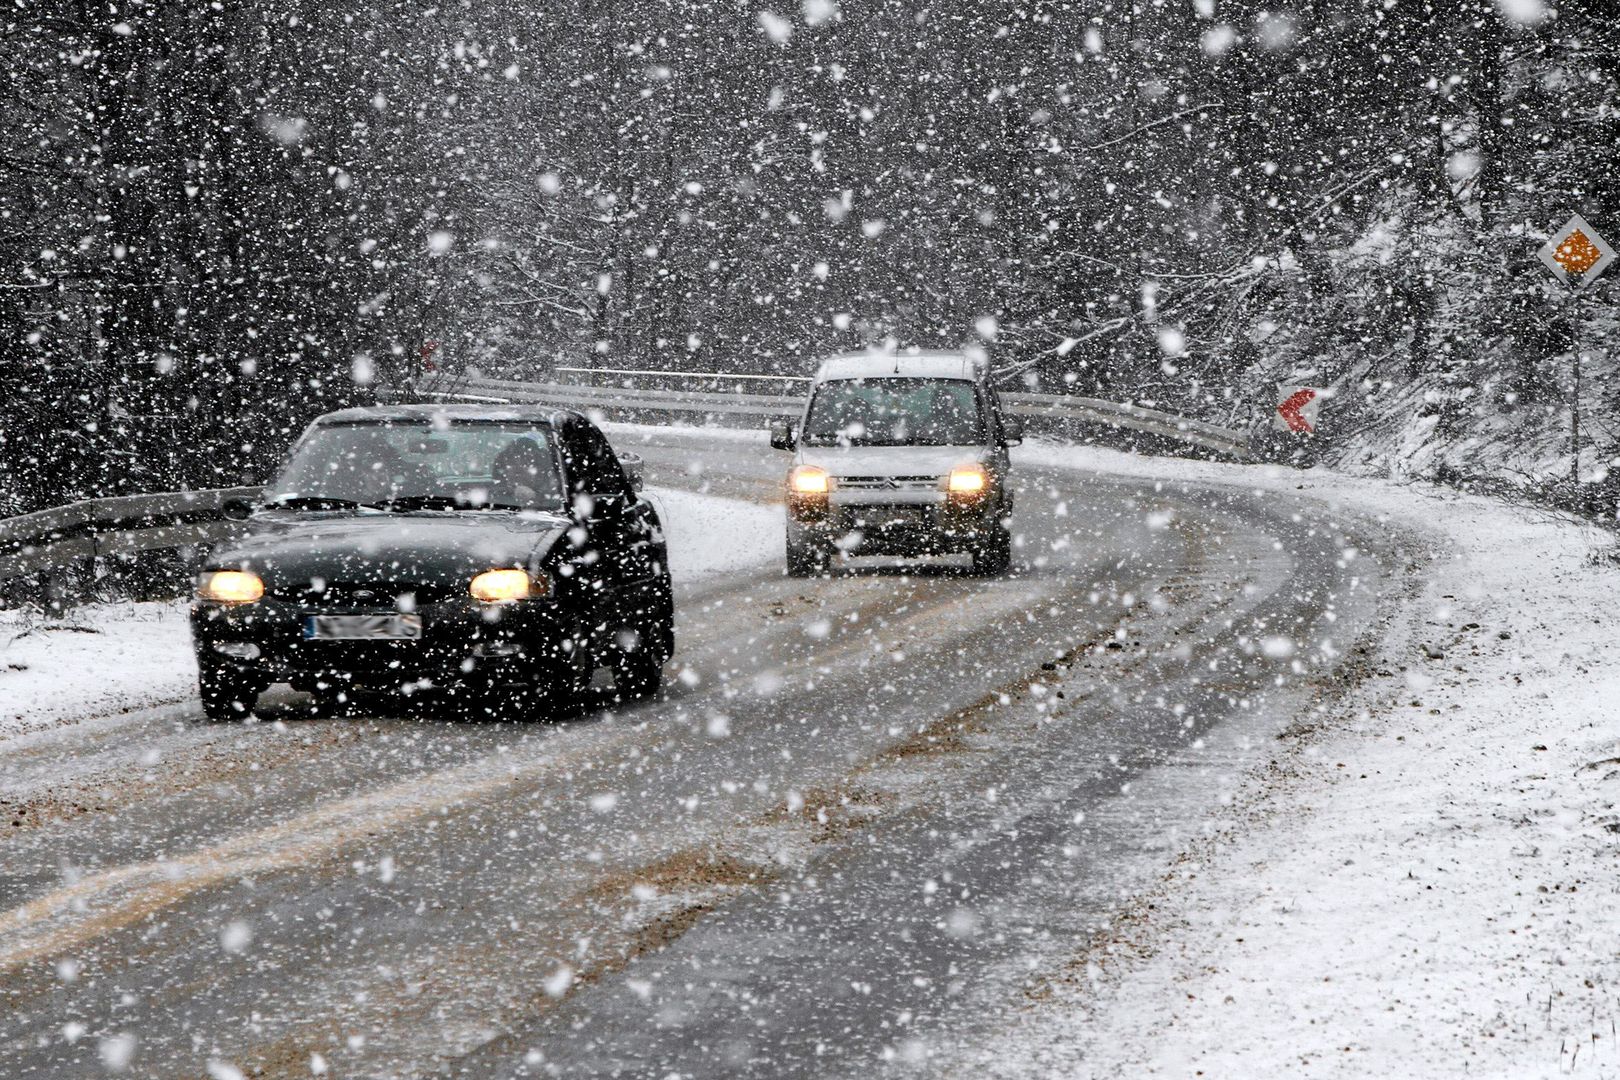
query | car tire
[637, 673]
[328, 703]
[664, 619]
[570, 692]
[327, 697]
[226, 695]
[497, 702]
[807, 558]
[993, 554]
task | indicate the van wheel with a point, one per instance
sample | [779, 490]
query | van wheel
[807, 558]
[993, 554]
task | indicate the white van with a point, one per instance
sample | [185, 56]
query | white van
[900, 455]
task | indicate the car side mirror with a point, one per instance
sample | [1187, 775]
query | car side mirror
[237, 508]
[634, 469]
[782, 437]
[585, 507]
[1012, 430]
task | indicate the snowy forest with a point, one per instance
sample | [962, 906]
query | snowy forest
[217, 220]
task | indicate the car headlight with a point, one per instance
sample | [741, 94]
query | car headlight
[808, 480]
[494, 586]
[968, 480]
[230, 586]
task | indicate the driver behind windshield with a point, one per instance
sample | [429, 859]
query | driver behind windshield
[420, 467]
[351, 464]
[525, 477]
[894, 412]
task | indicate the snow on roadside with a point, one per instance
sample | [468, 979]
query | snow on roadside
[711, 535]
[114, 658]
[103, 659]
[626, 435]
[1427, 887]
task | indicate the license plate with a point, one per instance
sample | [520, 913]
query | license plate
[884, 516]
[362, 627]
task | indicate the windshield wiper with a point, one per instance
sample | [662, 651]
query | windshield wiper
[420, 502]
[313, 502]
[439, 502]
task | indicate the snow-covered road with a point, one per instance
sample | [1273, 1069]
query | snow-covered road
[868, 810]
[1422, 882]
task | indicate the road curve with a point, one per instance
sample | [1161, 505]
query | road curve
[867, 809]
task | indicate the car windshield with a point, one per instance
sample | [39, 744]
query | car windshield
[894, 412]
[422, 466]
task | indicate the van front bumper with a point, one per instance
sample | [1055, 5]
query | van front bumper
[911, 527]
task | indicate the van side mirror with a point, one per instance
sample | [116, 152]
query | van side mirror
[782, 437]
[1012, 430]
[634, 469]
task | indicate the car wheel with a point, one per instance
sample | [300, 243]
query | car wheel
[570, 692]
[807, 558]
[485, 701]
[993, 554]
[326, 704]
[666, 618]
[638, 672]
[226, 695]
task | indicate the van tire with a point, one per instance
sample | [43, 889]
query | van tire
[993, 554]
[807, 558]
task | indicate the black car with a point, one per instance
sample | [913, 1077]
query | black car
[501, 554]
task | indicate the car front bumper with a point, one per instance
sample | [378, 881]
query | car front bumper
[527, 641]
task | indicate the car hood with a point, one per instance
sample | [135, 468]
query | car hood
[889, 460]
[387, 548]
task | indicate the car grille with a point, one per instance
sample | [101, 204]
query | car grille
[889, 483]
[358, 596]
[399, 660]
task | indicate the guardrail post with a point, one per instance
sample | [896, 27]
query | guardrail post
[62, 586]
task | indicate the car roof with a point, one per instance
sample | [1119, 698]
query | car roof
[913, 365]
[429, 411]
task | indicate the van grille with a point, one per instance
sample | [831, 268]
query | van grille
[889, 483]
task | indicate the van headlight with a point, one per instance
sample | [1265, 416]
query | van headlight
[230, 586]
[808, 480]
[968, 480]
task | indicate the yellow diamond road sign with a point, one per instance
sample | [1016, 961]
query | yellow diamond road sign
[1577, 254]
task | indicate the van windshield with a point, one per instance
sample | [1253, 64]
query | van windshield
[894, 412]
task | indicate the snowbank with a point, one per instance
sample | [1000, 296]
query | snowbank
[625, 436]
[710, 535]
[114, 658]
[104, 659]
[1427, 887]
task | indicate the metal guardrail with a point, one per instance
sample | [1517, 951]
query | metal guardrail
[714, 378]
[1114, 414]
[633, 402]
[125, 524]
[116, 526]
[628, 399]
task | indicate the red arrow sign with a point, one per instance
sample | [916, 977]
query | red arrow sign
[1291, 410]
